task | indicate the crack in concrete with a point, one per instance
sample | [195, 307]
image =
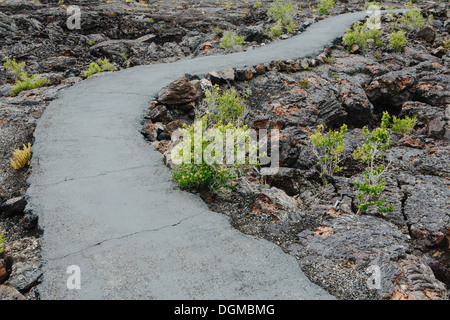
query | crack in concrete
[52, 184]
[82, 251]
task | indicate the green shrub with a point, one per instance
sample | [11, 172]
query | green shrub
[23, 80]
[224, 106]
[103, 65]
[328, 148]
[275, 31]
[398, 41]
[199, 171]
[399, 126]
[218, 31]
[325, 6]
[282, 12]
[369, 190]
[229, 40]
[412, 19]
[363, 36]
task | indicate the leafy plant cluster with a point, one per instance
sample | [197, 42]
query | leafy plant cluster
[398, 41]
[23, 80]
[21, 157]
[225, 106]
[399, 126]
[328, 147]
[325, 6]
[369, 190]
[282, 12]
[2, 241]
[412, 20]
[363, 36]
[224, 115]
[229, 40]
[100, 66]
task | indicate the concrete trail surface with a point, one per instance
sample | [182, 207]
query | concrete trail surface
[106, 203]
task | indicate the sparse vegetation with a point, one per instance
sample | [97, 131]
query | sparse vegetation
[399, 126]
[21, 157]
[223, 106]
[325, 6]
[373, 184]
[304, 83]
[275, 31]
[206, 166]
[2, 241]
[412, 19]
[23, 80]
[102, 65]
[398, 41]
[363, 36]
[329, 60]
[282, 12]
[328, 148]
[229, 40]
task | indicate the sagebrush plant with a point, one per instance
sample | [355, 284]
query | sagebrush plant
[217, 175]
[325, 6]
[363, 36]
[398, 41]
[229, 40]
[399, 126]
[412, 19]
[275, 31]
[282, 12]
[21, 157]
[371, 153]
[328, 147]
[226, 106]
[100, 66]
[23, 80]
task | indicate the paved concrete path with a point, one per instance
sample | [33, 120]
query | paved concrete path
[106, 203]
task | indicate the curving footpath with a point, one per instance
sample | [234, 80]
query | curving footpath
[106, 203]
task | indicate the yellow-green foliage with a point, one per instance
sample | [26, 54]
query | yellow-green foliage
[225, 106]
[399, 126]
[363, 36]
[328, 148]
[23, 80]
[275, 30]
[229, 40]
[412, 19]
[2, 241]
[398, 41]
[282, 12]
[208, 172]
[103, 65]
[325, 6]
[372, 186]
[21, 157]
